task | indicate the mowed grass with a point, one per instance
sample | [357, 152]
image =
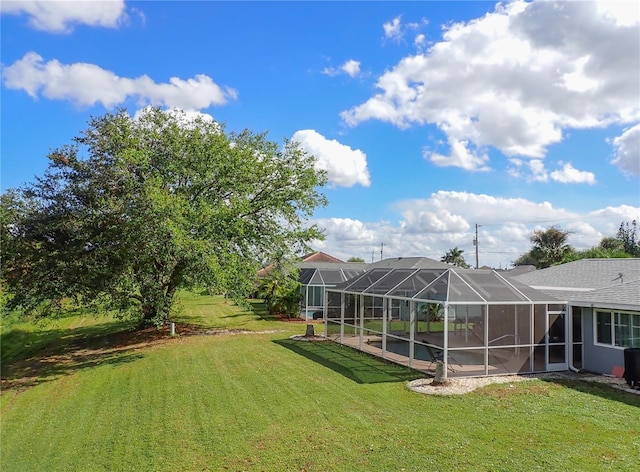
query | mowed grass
[261, 401]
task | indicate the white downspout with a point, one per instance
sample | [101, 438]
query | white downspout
[569, 330]
[361, 323]
[386, 318]
[412, 332]
[445, 357]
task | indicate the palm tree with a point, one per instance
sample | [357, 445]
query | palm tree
[454, 256]
[549, 248]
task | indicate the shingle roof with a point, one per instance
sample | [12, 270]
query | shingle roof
[314, 259]
[331, 265]
[605, 282]
[627, 294]
[320, 257]
[410, 263]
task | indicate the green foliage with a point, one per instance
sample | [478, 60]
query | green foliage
[280, 291]
[610, 243]
[628, 237]
[355, 259]
[433, 311]
[596, 253]
[454, 256]
[159, 202]
[549, 248]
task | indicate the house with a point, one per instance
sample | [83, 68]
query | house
[481, 322]
[603, 304]
[315, 277]
[417, 311]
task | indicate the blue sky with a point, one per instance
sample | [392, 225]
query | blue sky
[430, 117]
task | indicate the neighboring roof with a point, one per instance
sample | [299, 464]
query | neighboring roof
[332, 265]
[320, 257]
[518, 270]
[613, 283]
[314, 258]
[454, 285]
[410, 263]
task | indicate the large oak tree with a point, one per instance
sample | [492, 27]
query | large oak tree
[138, 208]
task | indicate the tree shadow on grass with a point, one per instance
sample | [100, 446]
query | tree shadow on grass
[259, 309]
[358, 366]
[40, 356]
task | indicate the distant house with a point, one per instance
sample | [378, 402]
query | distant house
[311, 258]
[320, 256]
[603, 299]
[317, 272]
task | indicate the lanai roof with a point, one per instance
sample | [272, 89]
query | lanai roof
[410, 263]
[464, 286]
[328, 273]
[332, 273]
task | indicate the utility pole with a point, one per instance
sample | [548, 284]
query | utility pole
[475, 243]
[381, 250]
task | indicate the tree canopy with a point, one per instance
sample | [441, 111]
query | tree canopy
[550, 247]
[628, 236]
[155, 203]
[454, 256]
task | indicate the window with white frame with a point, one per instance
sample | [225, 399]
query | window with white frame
[620, 329]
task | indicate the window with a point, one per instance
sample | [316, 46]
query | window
[618, 329]
[603, 327]
[316, 296]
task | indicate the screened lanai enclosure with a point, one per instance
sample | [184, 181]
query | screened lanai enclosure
[473, 322]
[315, 277]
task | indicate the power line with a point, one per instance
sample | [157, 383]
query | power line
[555, 220]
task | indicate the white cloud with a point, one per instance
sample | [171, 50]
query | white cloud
[514, 79]
[570, 175]
[345, 167]
[393, 29]
[430, 227]
[61, 16]
[536, 171]
[347, 229]
[627, 150]
[188, 119]
[87, 84]
[350, 67]
[474, 208]
[623, 12]
[460, 156]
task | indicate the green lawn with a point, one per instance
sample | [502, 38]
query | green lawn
[261, 401]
